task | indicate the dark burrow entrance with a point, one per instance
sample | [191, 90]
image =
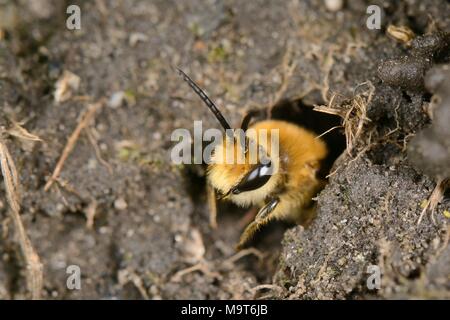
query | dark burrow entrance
[268, 239]
[303, 115]
[295, 111]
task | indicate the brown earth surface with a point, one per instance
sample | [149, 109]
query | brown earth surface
[137, 225]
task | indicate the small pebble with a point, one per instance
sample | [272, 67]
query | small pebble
[137, 37]
[334, 5]
[116, 99]
[120, 204]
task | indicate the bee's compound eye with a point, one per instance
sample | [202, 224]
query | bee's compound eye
[255, 179]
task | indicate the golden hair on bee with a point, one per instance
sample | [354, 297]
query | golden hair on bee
[283, 180]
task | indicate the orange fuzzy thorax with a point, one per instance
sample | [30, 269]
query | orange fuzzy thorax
[300, 153]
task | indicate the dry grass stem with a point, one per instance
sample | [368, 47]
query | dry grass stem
[435, 198]
[202, 266]
[34, 273]
[244, 253]
[65, 86]
[353, 113]
[90, 214]
[98, 153]
[85, 119]
[20, 132]
[328, 131]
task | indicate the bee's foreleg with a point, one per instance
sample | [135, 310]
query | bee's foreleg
[265, 214]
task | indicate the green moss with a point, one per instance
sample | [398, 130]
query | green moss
[152, 278]
[196, 29]
[217, 54]
[129, 153]
[130, 97]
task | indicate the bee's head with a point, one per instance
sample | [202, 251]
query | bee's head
[243, 171]
[248, 176]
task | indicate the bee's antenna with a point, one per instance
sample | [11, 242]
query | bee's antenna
[205, 99]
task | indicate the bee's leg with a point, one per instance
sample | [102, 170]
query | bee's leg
[264, 215]
[248, 234]
[212, 205]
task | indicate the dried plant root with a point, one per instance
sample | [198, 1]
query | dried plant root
[85, 119]
[34, 273]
